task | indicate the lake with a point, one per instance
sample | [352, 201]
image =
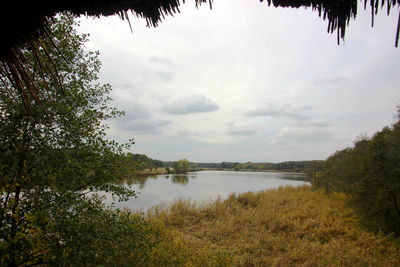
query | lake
[202, 186]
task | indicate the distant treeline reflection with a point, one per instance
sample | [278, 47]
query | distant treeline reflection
[141, 180]
[295, 176]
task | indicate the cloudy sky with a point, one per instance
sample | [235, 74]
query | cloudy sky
[247, 82]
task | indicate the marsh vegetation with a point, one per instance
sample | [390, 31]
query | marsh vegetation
[278, 227]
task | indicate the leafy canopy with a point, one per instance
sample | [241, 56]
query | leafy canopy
[54, 163]
[370, 173]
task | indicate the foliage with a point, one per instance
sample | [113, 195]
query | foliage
[181, 166]
[370, 173]
[296, 166]
[141, 162]
[194, 167]
[279, 227]
[53, 161]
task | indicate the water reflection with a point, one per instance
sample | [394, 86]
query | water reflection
[294, 176]
[202, 186]
[182, 179]
[140, 180]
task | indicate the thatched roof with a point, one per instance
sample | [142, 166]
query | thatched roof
[27, 19]
[23, 22]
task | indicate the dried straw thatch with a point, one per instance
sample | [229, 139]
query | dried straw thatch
[27, 20]
[339, 12]
[23, 22]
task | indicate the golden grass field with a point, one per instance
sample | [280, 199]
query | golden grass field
[283, 227]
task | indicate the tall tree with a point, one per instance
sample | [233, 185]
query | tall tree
[53, 163]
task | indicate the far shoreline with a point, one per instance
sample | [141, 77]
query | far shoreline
[162, 170]
[246, 170]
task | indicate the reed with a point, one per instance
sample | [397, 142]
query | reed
[283, 227]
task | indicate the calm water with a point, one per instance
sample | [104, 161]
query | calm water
[203, 186]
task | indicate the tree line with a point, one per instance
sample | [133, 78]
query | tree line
[142, 162]
[293, 166]
[369, 173]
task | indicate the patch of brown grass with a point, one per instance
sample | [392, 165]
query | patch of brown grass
[283, 227]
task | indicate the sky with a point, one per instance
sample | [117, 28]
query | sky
[247, 82]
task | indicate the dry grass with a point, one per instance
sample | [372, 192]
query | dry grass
[283, 227]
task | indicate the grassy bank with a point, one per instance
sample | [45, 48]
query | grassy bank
[283, 227]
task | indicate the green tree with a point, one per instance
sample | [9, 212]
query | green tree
[53, 163]
[369, 173]
[377, 192]
[181, 166]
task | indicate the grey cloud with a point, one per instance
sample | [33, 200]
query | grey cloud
[317, 124]
[159, 75]
[307, 108]
[291, 134]
[126, 92]
[329, 81]
[282, 112]
[139, 118]
[145, 125]
[243, 132]
[190, 104]
[134, 111]
[164, 75]
[160, 60]
[187, 132]
[129, 85]
[241, 129]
